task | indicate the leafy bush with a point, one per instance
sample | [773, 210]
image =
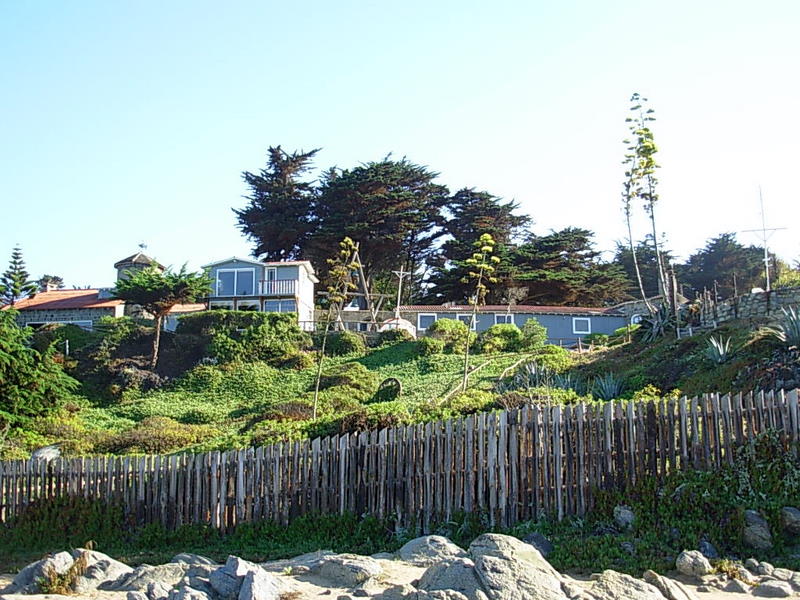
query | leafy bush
[345, 342]
[248, 335]
[597, 339]
[157, 435]
[394, 336]
[376, 416]
[502, 337]
[472, 401]
[787, 279]
[555, 358]
[439, 363]
[534, 335]
[297, 361]
[453, 333]
[428, 346]
[270, 431]
[360, 382]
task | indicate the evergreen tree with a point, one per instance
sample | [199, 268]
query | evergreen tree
[157, 291]
[721, 260]
[279, 215]
[15, 283]
[391, 208]
[53, 281]
[32, 384]
[646, 264]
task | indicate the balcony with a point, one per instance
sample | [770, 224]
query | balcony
[278, 287]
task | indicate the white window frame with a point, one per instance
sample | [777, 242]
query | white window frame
[419, 318]
[280, 302]
[269, 270]
[577, 331]
[503, 319]
[236, 272]
[471, 323]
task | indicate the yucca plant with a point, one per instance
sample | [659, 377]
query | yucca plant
[719, 350]
[657, 324]
[531, 375]
[608, 386]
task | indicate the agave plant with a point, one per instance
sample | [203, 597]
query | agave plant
[719, 350]
[531, 375]
[567, 381]
[788, 330]
[657, 324]
[608, 386]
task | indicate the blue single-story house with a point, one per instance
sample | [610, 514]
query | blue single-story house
[565, 324]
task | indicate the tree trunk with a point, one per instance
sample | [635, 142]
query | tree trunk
[636, 265]
[156, 341]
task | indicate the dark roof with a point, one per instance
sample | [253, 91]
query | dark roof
[138, 259]
[519, 308]
[61, 299]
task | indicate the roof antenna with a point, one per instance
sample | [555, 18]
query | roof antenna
[142, 246]
[764, 237]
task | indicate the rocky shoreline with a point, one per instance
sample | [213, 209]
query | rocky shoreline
[494, 567]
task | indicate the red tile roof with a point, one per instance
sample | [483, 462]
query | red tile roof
[187, 308]
[519, 308]
[61, 299]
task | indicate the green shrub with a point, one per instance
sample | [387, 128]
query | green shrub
[298, 361]
[472, 401]
[597, 339]
[59, 334]
[534, 335]
[157, 435]
[360, 382]
[379, 415]
[345, 342]
[554, 395]
[440, 363]
[428, 346]
[393, 336]
[248, 335]
[270, 431]
[453, 333]
[555, 358]
[502, 337]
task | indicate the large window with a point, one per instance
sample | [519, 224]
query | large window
[281, 306]
[467, 320]
[236, 282]
[425, 320]
[581, 325]
[503, 318]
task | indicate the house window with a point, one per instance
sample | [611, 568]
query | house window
[272, 273]
[581, 325]
[220, 305]
[503, 318]
[425, 320]
[280, 306]
[468, 320]
[236, 282]
[247, 305]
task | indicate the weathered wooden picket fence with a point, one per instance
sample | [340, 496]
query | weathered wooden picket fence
[512, 465]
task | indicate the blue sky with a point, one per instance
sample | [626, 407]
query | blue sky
[132, 122]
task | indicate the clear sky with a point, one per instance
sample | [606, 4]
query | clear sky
[129, 122]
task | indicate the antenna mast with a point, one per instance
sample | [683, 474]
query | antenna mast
[765, 235]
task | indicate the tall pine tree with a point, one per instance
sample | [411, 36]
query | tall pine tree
[15, 283]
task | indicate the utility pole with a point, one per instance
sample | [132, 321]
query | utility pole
[764, 236]
[400, 275]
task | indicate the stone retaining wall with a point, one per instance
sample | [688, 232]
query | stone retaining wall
[748, 306]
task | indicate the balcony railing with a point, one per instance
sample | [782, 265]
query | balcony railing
[278, 287]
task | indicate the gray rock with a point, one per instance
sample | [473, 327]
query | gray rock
[751, 563]
[782, 574]
[756, 533]
[100, 568]
[540, 542]
[743, 574]
[693, 564]
[383, 556]
[764, 568]
[187, 593]
[397, 592]
[795, 581]
[457, 574]
[158, 591]
[737, 587]
[511, 569]
[142, 576]
[259, 585]
[707, 549]
[790, 521]
[773, 589]
[444, 595]
[347, 570]
[611, 585]
[136, 596]
[624, 517]
[669, 588]
[428, 550]
[193, 559]
[26, 581]
[227, 579]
